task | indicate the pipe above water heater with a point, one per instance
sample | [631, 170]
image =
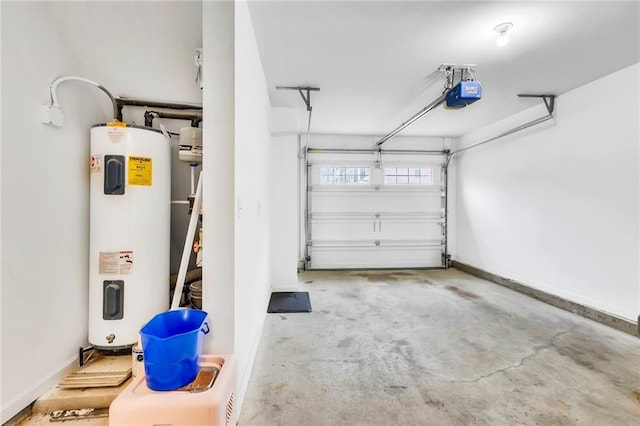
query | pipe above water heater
[122, 102]
[194, 117]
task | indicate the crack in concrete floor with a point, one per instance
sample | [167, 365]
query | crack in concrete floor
[520, 363]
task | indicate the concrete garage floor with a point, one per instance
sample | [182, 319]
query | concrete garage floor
[437, 348]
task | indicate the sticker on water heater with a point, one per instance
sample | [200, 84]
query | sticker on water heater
[126, 262]
[140, 171]
[116, 134]
[96, 163]
[109, 261]
[116, 262]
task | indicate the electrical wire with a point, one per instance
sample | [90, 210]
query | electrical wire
[54, 96]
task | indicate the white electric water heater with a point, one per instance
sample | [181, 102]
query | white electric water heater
[130, 200]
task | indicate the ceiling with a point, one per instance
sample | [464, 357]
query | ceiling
[374, 61]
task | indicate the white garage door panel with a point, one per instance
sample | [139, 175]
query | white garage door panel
[373, 257]
[348, 229]
[373, 228]
[353, 201]
[373, 224]
[405, 229]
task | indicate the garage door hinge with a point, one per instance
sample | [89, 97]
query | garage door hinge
[377, 242]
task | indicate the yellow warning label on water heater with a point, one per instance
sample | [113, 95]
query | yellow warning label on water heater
[140, 171]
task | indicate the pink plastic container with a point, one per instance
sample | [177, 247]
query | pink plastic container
[138, 405]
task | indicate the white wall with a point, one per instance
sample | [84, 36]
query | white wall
[45, 207]
[284, 199]
[556, 207]
[137, 49]
[252, 177]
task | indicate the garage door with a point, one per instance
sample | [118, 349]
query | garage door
[375, 211]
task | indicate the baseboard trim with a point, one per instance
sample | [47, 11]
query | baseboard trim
[18, 403]
[21, 416]
[605, 318]
[244, 381]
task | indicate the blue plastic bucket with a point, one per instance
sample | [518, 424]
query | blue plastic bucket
[172, 345]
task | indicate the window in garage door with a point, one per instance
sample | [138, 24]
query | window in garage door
[335, 175]
[408, 176]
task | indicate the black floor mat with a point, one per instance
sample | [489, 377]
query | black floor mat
[289, 301]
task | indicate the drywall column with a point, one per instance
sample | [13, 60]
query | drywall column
[284, 199]
[218, 203]
[252, 178]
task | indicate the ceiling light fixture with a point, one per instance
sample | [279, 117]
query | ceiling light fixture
[503, 37]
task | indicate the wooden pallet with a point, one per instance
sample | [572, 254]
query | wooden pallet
[100, 372]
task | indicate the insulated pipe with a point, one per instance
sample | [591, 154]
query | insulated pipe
[439, 100]
[121, 102]
[54, 96]
[195, 117]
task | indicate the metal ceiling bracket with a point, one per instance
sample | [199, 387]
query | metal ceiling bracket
[549, 100]
[302, 91]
